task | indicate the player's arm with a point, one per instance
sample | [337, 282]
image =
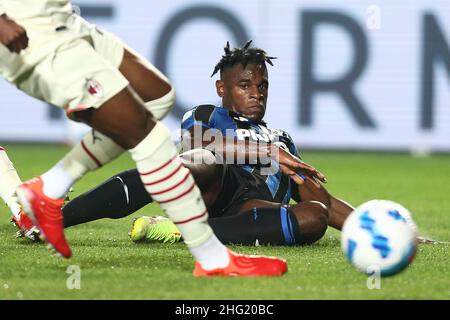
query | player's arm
[12, 35]
[310, 190]
[228, 148]
[313, 190]
[200, 133]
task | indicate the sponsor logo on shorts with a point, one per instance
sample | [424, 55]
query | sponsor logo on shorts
[94, 88]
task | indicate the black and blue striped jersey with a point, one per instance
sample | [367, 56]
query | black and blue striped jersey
[232, 124]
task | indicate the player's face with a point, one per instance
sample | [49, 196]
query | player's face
[245, 91]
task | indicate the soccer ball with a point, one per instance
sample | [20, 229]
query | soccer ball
[380, 235]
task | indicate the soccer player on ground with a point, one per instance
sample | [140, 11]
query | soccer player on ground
[246, 206]
[47, 55]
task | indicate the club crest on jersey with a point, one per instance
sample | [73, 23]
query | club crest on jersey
[94, 88]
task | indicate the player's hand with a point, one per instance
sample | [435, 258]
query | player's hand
[298, 170]
[12, 36]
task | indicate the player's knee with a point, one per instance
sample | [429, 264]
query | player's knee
[316, 223]
[162, 106]
[321, 218]
[317, 232]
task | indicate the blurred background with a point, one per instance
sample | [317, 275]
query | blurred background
[350, 75]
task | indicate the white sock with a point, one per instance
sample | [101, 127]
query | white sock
[212, 254]
[91, 153]
[173, 187]
[9, 181]
[57, 181]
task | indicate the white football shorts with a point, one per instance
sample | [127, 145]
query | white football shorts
[79, 72]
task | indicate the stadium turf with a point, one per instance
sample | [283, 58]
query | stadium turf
[112, 267]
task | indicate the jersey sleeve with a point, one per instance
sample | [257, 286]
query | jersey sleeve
[294, 150]
[199, 116]
[292, 147]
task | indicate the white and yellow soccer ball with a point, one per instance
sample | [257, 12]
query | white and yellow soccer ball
[380, 235]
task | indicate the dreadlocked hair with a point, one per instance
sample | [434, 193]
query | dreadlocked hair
[244, 55]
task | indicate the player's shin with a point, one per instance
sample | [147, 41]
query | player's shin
[91, 153]
[173, 187]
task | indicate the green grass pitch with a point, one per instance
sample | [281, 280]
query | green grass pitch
[112, 267]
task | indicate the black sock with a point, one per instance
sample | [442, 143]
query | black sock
[118, 197]
[274, 226]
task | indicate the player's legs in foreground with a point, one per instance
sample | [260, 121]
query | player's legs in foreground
[9, 181]
[96, 149]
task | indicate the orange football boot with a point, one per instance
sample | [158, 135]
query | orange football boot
[45, 213]
[246, 266]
